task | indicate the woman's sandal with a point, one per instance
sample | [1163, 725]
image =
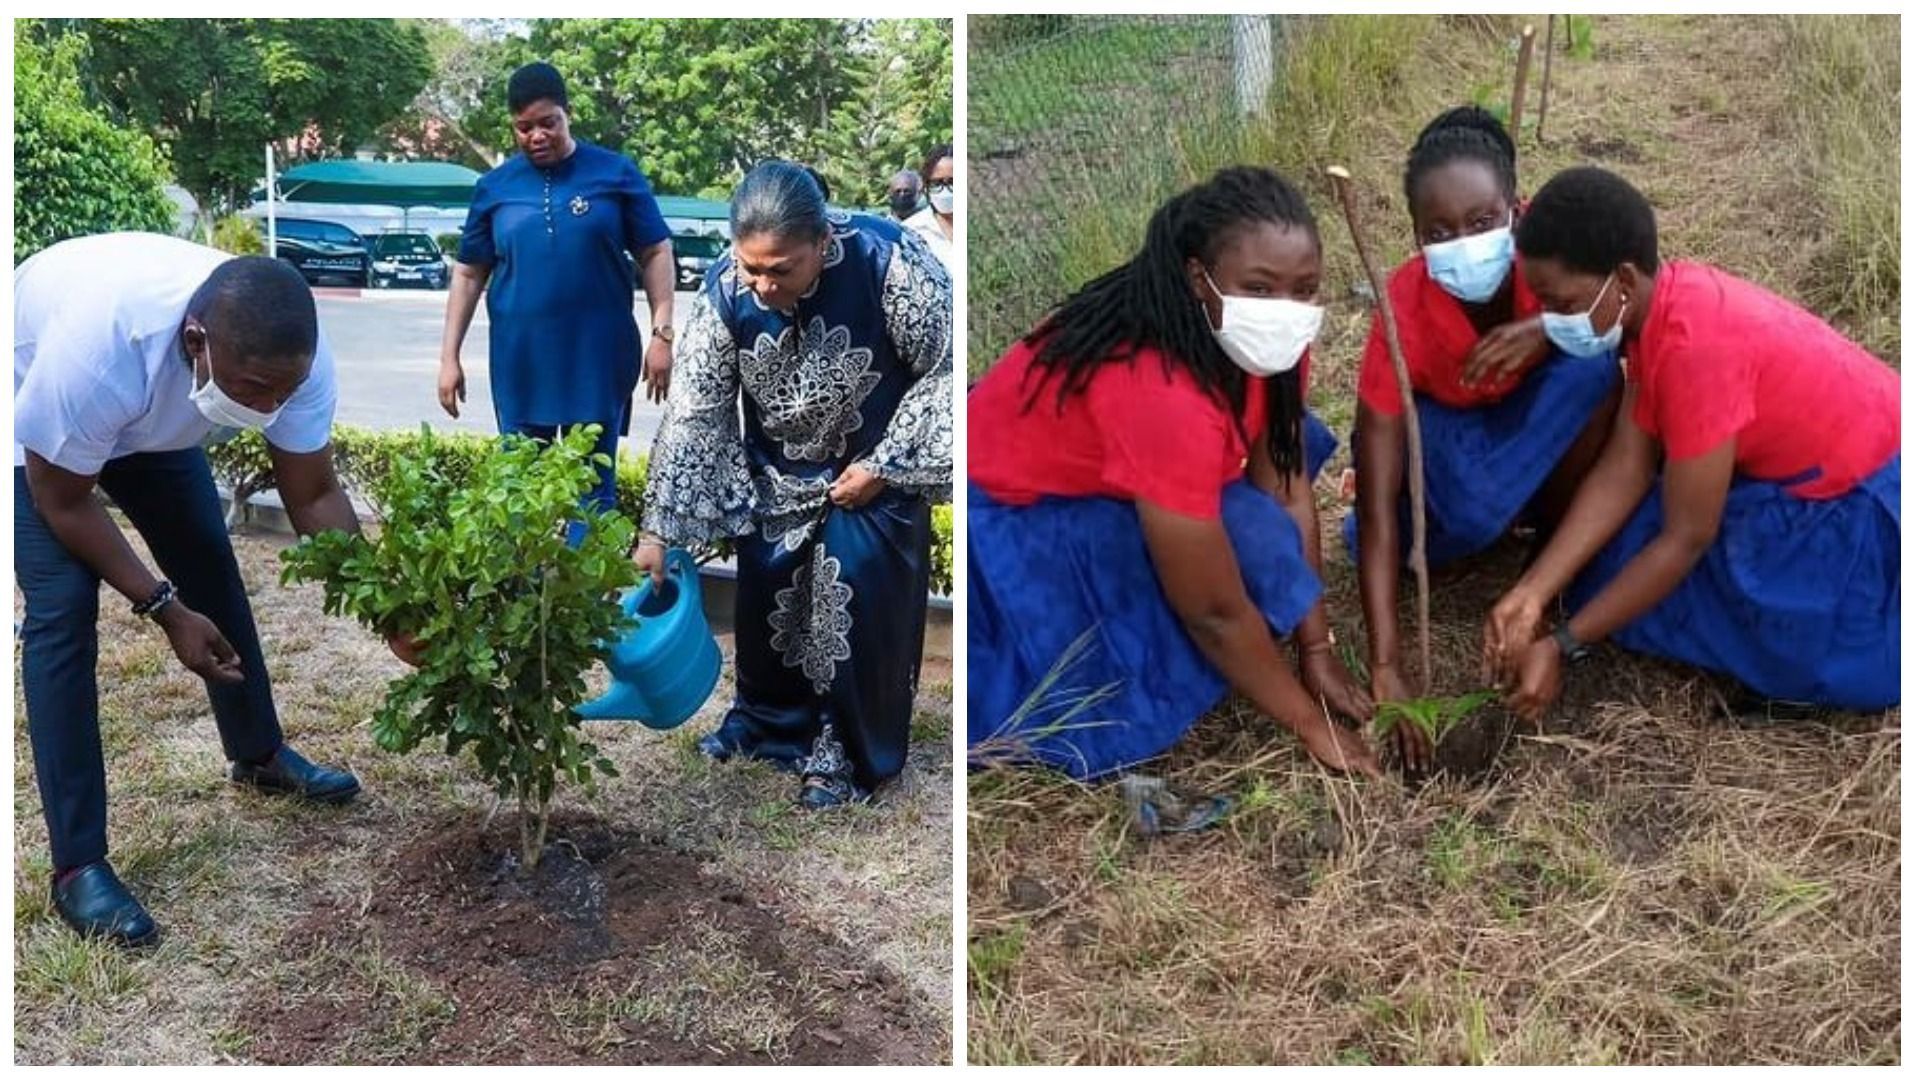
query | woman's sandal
[819, 792]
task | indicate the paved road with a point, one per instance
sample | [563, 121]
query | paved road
[387, 348]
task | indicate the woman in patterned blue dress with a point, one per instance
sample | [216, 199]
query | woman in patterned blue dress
[810, 422]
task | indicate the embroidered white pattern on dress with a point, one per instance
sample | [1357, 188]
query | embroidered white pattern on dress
[810, 620]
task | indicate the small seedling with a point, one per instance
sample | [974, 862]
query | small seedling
[1433, 717]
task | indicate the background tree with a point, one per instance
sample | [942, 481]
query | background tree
[74, 171]
[215, 91]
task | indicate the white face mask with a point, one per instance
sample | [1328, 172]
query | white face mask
[941, 199]
[214, 404]
[1265, 335]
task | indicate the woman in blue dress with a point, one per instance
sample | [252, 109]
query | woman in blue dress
[810, 422]
[547, 238]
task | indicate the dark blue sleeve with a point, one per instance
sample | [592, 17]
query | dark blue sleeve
[476, 236]
[640, 214]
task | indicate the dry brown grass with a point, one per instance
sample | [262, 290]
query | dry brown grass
[227, 873]
[1643, 882]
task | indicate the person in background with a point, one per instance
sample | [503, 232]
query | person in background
[547, 239]
[935, 223]
[1745, 514]
[830, 336]
[1140, 519]
[903, 194]
[129, 350]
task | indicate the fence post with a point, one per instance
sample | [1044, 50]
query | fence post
[1252, 62]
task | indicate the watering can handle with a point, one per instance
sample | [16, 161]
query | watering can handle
[680, 564]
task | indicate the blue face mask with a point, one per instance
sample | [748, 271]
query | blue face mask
[1573, 334]
[1471, 268]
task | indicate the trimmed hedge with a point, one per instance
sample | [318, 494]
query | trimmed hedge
[363, 458]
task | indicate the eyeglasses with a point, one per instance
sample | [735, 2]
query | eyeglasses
[940, 185]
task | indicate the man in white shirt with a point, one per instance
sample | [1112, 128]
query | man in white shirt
[129, 350]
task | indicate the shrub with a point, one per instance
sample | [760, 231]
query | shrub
[75, 173]
[236, 235]
[364, 459]
[473, 564]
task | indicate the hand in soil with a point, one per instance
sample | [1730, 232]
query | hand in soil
[1506, 351]
[1536, 684]
[1328, 679]
[200, 645]
[1340, 748]
[1407, 741]
[1513, 625]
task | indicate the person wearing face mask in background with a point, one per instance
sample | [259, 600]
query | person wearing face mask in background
[935, 223]
[546, 239]
[903, 194]
[1508, 423]
[1141, 523]
[1744, 516]
[831, 335]
[129, 350]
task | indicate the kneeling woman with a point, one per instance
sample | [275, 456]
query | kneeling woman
[1508, 423]
[1771, 551]
[1140, 509]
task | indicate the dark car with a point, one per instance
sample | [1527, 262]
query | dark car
[406, 259]
[691, 257]
[322, 250]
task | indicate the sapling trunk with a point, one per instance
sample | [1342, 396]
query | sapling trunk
[1520, 80]
[1546, 82]
[1416, 457]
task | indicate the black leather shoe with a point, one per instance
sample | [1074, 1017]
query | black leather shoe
[826, 792]
[287, 773]
[96, 904]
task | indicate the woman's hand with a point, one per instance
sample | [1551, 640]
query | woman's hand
[453, 385]
[1536, 681]
[1407, 740]
[1512, 626]
[1340, 748]
[855, 488]
[1506, 351]
[1328, 679]
[651, 556]
[657, 369]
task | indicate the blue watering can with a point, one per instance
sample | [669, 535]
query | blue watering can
[666, 666]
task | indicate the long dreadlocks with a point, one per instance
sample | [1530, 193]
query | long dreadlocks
[1148, 302]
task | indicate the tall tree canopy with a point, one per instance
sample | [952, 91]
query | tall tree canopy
[215, 91]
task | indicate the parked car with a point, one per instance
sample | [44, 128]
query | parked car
[691, 257]
[407, 258]
[322, 250]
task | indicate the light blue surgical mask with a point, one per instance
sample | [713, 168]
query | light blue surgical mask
[1471, 268]
[1573, 334]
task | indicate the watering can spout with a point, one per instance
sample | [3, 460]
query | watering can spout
[666, 664]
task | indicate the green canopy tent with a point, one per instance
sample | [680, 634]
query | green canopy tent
[405, 184]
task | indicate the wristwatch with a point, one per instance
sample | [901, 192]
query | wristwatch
[1569, 648]
[664, 333]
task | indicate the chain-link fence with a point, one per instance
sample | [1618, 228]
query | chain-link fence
[1078, 126]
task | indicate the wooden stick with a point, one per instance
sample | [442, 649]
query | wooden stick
[1546, 81]
[1520, 80]
[1416, 458]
